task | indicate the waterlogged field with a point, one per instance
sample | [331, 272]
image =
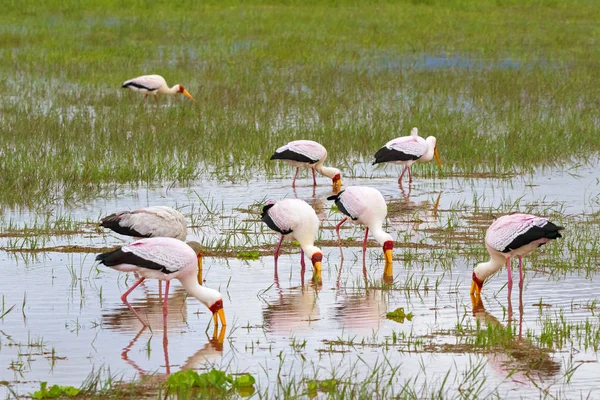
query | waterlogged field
[510, 89]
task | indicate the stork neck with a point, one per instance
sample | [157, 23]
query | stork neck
[310, 249]
[203, 294]
[329, 172]
[171, 90]
[380, 235]
[486, 269]
[428, 156]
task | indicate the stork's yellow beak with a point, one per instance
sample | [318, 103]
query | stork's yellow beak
[475, 288]
[437, 157]
[388, 256]
[337, 185]
[388, 273]
[188, 95]
[200, 281]
[221, 315]
[317, 266]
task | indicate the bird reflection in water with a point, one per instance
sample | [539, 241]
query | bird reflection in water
[209, 353]
[295, 308]
[514, 357]
[151, 307]
[362, 309]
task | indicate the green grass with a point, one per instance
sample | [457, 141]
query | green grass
[502, 84]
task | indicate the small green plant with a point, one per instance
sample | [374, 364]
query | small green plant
[214, 382]
[54, 392]
[325, 386]
[249, 255]
[399, 315]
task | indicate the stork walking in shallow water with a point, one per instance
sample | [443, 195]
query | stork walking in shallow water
[165, 259]
[308, 154]
[295, 219]
[154, 84]
[365, 205]
[515, 235]
[406, 150]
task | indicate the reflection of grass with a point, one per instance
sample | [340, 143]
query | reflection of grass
[350, 77]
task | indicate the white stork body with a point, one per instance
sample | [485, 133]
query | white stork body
[365, 205]
[307, 154]
[406, 150]
[295, 219]
[515, 235]
[164, 259]
[156, 221]
[154, 84]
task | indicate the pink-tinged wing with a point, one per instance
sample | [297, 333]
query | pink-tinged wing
[308, 148]
[171, 253]
[506, 228]
[148, 82]
[157, 221]
[412, 145]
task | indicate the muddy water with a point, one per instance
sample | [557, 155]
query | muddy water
[68, 319]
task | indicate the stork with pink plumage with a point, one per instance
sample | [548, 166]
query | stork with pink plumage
[515, 235]
[406, 150]
[308, 154]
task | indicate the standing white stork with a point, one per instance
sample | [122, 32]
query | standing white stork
[165, 259]
[406, 150]
[156, 221]
[295, 219]
[154, 84]
[365, 205]
[515, 235]
[308, 154]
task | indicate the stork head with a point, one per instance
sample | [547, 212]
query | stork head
[185, 93]
[388, 248]
[476, 285]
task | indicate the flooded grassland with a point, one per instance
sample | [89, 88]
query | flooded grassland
[516, 117]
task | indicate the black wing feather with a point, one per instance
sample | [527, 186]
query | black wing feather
[112, 222]
[385, 154]
[269, 221]
[340, 205]
[117, 257]
[137, 85]
[293, 156]
[548, 231]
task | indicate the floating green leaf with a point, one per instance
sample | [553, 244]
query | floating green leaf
[54, 392]
[399, 315]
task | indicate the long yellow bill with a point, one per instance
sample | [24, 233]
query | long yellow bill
[475, 289]
[188, 95]
[317, 266]
[221, 315]
[388, 256]
[200, 281]
[337, 185]
[437, 157]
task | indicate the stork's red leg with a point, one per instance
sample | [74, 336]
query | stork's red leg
[295, 176]
[166, 304]
[510, 280]
[314, 178]
[124, 299]
[521, 272]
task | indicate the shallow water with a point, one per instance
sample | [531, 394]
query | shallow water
[68, 319]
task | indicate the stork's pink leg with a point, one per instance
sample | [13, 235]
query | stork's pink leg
[302, 263]
[521, 273]
[337, 230]
[166, 350]
[365, 248]
[160, 289]
[124, 300]
[510, 282]
[166, 305]
[314, 177]
[276, 255]
[156, 98]
[409, 175]
[295, 176]
[402, 175]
